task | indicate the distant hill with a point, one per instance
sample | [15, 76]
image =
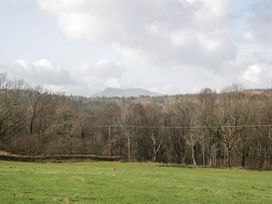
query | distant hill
[135, 92]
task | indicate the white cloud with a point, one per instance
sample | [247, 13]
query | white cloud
[89, 77]
[258, 75]
[248, 37]
[181, 38]
[160, 41]
[14, 1]
[166, 32]
[44, 63]
[114, 83]
[254, 70]
[252, 74]
[8, 1]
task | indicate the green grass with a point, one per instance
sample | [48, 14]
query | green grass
[96, 182]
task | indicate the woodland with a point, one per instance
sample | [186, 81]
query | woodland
[230, 128]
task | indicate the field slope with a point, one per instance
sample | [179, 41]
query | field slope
[106, 182]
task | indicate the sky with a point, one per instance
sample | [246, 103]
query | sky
[81, 47]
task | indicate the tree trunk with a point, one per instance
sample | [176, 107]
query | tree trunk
[243, 160]
[31, 125]
[228, 157]
[203, 151]
[156, 148]
[109, 132]
[154, 158]
[193, 154]
[210, 163]
[129, 148]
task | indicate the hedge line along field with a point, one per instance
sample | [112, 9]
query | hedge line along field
[114, 182]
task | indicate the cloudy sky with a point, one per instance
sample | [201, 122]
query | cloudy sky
[169, 46]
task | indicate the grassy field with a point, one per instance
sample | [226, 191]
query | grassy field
[99, 182]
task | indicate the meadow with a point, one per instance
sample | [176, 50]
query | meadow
[114, 182]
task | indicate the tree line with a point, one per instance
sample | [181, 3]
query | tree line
[226, 129]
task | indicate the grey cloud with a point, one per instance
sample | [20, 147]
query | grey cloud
[38, 72]
[72, 77]
[261, 22]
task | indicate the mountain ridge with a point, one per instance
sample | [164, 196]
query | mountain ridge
[129, 92]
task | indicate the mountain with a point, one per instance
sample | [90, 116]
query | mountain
[135, 92]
